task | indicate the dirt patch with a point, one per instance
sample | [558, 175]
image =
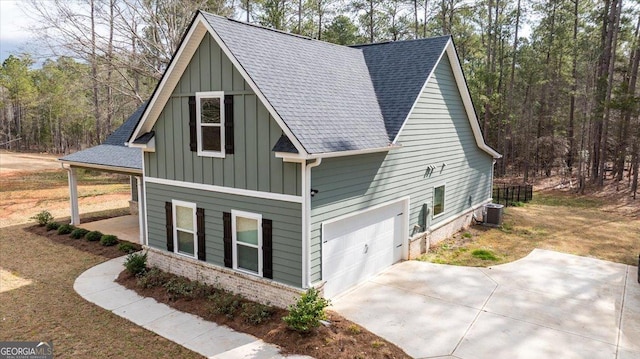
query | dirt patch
[12, 162]
[342, 339]
[24, 194]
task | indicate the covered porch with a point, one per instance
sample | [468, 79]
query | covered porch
[112, 156]
[126, 228]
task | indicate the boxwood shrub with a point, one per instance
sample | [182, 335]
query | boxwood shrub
[65, 229]
[52, 225]
[94, 236]
[109, 240]
[78, 233]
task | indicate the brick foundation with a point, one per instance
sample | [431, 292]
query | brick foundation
[258, 289]
[420, 243]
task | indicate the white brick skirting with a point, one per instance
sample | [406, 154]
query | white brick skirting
[258, 289]
[420, 243]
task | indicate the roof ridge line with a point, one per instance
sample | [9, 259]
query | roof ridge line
[258, 26]
[398, 41]
[283, 32]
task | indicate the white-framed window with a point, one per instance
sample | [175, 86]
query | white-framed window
[246, 229]
[210, 123]
[184, 228]
[438, 200]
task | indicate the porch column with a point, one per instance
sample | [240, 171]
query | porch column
[141, 210]
[73, 196]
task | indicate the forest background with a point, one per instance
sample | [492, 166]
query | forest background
[554, 82]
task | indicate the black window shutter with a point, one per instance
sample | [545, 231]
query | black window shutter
[228, 124]
[193, 130]
[202, 252]
[168, 209]
[227, 238]
[267, 249]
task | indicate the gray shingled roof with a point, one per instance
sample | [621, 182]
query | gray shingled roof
[113, 152]
[333, 98]
[108, 155]
[122, 133]
[322, 91]
[399, 70]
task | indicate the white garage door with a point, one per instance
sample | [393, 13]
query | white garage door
[356, 248]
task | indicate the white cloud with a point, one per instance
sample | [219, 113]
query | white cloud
[14, 24]
[15, 37]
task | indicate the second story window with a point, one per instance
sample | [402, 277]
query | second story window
[210, 123]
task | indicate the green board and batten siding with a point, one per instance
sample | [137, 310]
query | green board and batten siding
[286, 217]
[253, 166]
[437, 132]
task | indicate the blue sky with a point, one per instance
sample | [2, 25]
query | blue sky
[14, 34]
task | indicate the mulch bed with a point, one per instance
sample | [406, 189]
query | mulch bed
[342, 339]
[80, 244]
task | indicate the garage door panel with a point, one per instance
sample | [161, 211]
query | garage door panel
[358, 247]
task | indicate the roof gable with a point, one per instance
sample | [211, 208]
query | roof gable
[399, 71]
[322, 91]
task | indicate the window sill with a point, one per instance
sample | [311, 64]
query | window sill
[248, 272]
[211, 154]
[195, 256]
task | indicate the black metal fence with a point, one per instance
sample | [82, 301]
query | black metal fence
[510, 194]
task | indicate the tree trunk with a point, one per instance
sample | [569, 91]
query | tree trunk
[574, 88]
[371, 34]
[424, 28]
[94, 74]
[415, 19]
[616, 9]
[623, 136]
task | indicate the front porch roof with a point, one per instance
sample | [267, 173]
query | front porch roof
[108, 158]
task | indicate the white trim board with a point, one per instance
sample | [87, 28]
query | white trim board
[226, 190]
[130, 171]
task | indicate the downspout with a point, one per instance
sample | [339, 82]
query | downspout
[306, 221]
[73, 194]
[141, 210]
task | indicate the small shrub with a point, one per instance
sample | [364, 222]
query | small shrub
[109, 240]
[136, 263]
[43, 218]
[78, 233]
[467, 235]
[353, 329]
[93, 236]
[153, 278]
[225, 303]
[307, 313]
[52, 225]
[256, 313]
[65, 229]
[180, 287]
[485, 255]
[376, 344]
[127, 247]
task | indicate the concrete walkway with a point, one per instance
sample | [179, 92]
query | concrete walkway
[546, 305]
[209, 339]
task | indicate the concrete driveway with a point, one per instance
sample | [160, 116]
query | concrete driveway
[546, 305]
